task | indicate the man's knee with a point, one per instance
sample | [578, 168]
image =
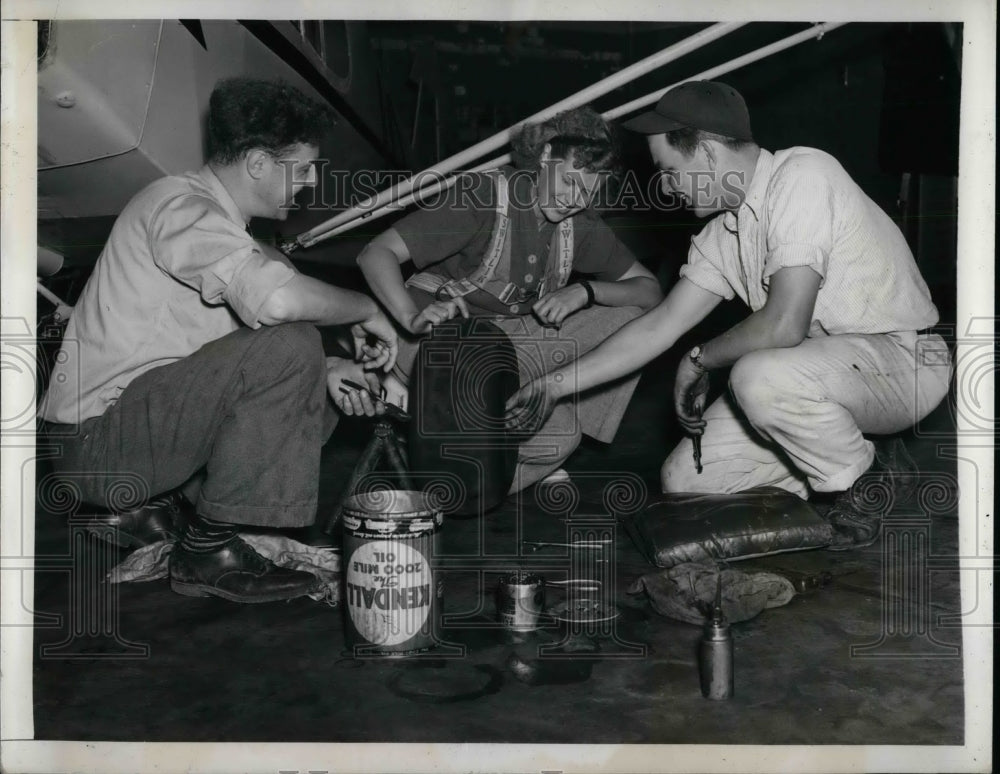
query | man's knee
[678, 473]
[297, 343]
[301, 337]
[758, 381]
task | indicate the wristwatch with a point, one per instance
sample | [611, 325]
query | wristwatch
[695, 356]
[590, 292]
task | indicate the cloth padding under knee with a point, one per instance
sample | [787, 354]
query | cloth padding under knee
[686, 592]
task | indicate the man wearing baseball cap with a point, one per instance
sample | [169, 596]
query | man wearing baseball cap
[834, 347]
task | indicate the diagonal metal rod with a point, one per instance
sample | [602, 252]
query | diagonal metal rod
[443, 183]
[582, 97]
[816, 31]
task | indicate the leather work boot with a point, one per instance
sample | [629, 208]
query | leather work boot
[856, 514]
[896, 463]
[238, 573]
[159, 519]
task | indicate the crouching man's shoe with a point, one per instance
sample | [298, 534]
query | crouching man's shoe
[854, 526]
[159, 519]
[856, 515]
[238, 573]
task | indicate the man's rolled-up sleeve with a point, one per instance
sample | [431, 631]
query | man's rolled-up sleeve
[193, 240]
[800, 216]
[257, 277]
[703, 266]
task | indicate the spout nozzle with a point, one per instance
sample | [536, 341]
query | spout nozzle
[717, 607]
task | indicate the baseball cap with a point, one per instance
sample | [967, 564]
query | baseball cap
[707, 105]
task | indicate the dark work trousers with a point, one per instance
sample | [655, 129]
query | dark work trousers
[239, 424]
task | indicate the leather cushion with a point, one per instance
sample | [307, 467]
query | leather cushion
[683, 527]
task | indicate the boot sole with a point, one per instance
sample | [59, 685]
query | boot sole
[113, 537]
[201, 590]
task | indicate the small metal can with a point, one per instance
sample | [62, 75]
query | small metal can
[520, 600]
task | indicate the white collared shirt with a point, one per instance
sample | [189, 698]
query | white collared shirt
[803, 209]
[179, 270]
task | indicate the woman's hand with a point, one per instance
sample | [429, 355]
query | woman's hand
[437, 313]
[375, 342]
[560, 304]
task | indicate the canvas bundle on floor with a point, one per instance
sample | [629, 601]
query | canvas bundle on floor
[682, 527]
[687, 591]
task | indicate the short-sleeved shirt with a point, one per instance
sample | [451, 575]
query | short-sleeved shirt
[179, 270]
[451, 236]
[803, 209]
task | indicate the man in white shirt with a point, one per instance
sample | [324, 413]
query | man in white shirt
[193, 360]
[834, 346]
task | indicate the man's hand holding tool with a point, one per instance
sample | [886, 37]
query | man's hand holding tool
[690, 394]
[382, 405]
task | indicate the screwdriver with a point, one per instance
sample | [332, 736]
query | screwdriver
[696, 443]
[391, 409]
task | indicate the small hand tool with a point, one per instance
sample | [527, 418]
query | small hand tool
[391, 409]
[581, 584]
[535, 545]
[696, 443]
